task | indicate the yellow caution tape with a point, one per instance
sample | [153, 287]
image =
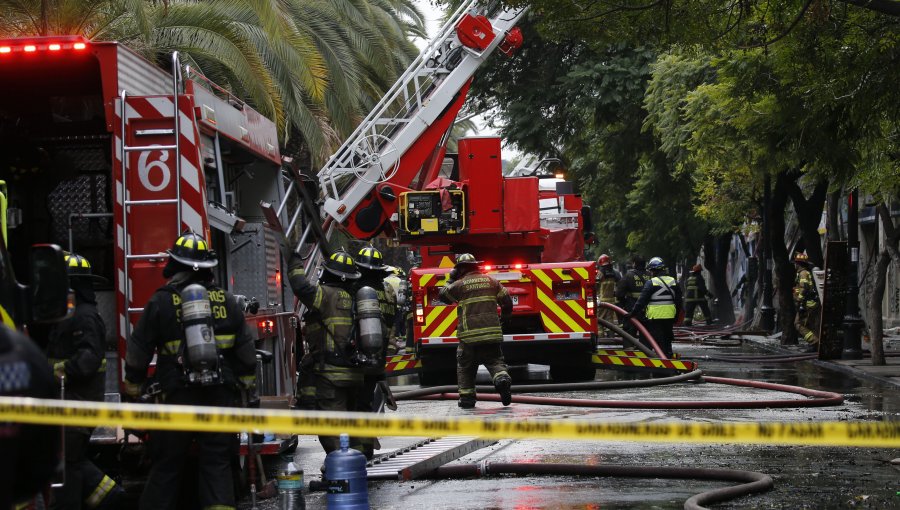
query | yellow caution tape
[222, 419]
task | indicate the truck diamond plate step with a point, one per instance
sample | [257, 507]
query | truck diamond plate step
[425, 456]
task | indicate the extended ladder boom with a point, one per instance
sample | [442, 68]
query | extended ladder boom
[372, 153]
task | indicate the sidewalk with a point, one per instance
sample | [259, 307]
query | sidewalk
[888, 374]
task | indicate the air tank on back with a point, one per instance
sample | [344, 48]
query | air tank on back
[368, 317]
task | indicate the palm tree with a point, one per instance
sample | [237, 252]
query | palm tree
[314, 66]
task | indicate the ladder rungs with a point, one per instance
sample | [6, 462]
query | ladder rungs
[147, 256]
[162, 201]
[135, 310]
[146, 148]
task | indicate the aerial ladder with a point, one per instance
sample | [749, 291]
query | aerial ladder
[399, 145]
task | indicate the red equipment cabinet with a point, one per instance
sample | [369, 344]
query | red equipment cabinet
[481, 169]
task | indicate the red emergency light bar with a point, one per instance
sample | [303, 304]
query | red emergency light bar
[491, 267]
[36, 45]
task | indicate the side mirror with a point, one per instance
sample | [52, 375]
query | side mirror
[48, 293]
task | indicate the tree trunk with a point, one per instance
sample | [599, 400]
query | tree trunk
[888, 252]
[809, 215]
[715, 254]
[876, 319]
[784, 269]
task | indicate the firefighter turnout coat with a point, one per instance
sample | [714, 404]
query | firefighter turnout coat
[477, 296]
[159, 330]
[329, 328]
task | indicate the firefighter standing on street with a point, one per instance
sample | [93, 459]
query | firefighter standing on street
[76, 350]
[629, 288]
[479, 331]
[807, 300]
[606, 288]
[205, 356]
[30, 452]
[330, 334]
[373, 270]
[660, 302]
[695, 294]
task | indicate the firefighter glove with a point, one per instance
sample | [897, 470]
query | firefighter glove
[132, 391]
[296, 261]
[59, 370]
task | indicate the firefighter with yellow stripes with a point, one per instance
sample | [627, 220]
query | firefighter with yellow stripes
[607, 280]
[480, 335]
[76, 350]
[807, 300]
[205, 356]
[660, 302]
[330, 334]
[629, 289]
[371, 266]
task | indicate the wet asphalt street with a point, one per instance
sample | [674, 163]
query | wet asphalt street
[805, 477]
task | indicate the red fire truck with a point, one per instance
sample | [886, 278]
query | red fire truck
[393, 177]
[108, 155]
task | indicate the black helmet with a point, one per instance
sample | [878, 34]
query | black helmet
[193, 251]
[370, 258]
[79, 267]
[341, 264]
[466, 259]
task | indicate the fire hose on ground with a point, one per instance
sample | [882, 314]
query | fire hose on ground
[751, 482]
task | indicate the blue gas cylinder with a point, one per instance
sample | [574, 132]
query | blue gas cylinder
[345, 478]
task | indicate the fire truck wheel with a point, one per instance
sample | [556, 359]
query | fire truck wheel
[564, 373]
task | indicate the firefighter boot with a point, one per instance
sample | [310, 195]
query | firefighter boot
[467, 400]
[503, 383]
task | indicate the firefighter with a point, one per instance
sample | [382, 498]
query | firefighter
[76, 350]
[607, 281]
[30, 452]
[175, 325]
[479, 331]
[660, 302]
[374, 272]
[695, 294]
[335, 373]
[807, 300]
[629, 288]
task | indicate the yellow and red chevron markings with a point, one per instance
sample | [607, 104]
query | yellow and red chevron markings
[565, 315]
[401, 364]
[641, 361]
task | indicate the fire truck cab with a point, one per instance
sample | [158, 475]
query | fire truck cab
[108, 155]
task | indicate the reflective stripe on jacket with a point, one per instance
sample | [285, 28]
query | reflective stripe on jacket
[477, 296]
[662, 301]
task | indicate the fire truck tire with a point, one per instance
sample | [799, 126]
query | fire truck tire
[565, 373]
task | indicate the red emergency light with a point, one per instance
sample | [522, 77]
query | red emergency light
[38, 45]
[267, 326]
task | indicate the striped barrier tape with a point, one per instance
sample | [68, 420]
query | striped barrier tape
[643, 362]
[881, 434]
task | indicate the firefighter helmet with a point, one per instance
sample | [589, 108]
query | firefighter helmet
[604, 260]
[341, 264]
[696, 268]
[370, 258]
[466, 258]
[801, 258]
[192, 250]
[655, 264]
[79, 267]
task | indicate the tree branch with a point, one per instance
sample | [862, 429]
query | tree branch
[889, 7]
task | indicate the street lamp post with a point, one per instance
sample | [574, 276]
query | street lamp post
[852, 320]
[767, 311]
